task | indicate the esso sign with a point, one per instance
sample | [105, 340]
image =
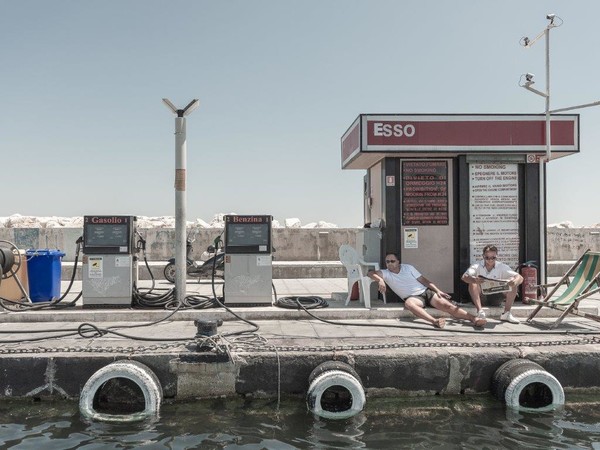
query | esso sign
[396, 129]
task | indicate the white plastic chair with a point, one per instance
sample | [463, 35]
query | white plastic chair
[357, 271]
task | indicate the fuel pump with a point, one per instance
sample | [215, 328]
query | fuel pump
[248, 268]
[110, 267]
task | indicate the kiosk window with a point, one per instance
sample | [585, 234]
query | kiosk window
[106, 235]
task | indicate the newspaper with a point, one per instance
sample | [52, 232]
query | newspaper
[491, 286]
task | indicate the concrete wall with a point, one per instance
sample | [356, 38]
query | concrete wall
[291, 244]
[567, 244]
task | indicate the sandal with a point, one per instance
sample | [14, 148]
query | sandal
[440, 323]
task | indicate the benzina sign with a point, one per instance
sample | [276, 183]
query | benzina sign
[246, 219]
[389, 135]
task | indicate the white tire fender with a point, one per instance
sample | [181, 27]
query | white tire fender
[331, 379]
[135, 371]
[520, 382]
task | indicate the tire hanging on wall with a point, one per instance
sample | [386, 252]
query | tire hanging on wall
[525, 385]
[335, 391]
[502, 377]
[134, 371]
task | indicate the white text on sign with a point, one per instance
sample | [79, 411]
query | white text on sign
[398, 129]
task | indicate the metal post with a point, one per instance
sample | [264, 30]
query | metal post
[543, 162]
[555, 21]
[546, 159]
[180, 196]
[548, 136]
[180, 209]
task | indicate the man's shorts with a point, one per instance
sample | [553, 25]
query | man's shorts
[425, 297]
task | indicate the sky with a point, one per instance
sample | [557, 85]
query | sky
[83, 129]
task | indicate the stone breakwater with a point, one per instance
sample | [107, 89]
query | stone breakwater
[19, 221]
[290, 244]
[293, 242]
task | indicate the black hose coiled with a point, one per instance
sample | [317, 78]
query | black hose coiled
[152, 299]
[310, 302]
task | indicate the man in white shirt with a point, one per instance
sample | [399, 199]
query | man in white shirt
[491, 268]
[418, 292]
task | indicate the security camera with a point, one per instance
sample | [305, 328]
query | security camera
[550, 16]
[529, 77]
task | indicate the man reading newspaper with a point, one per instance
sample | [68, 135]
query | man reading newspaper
[491, 276]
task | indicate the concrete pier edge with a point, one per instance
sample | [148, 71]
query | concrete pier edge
[412, 359]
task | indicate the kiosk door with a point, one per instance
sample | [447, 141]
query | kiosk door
[427, 219]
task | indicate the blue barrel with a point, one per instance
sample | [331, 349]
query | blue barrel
[44, 269]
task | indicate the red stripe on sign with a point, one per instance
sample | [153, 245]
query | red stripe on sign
[351, 142]
[469, 133]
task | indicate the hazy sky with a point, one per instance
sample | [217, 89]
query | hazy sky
[83, 129]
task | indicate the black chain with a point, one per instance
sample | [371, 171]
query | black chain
[265, 347]
[128, 350]
[581, 341]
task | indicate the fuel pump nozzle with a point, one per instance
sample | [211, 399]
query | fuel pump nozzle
[218, 241]
[141, 243]
[79, 243]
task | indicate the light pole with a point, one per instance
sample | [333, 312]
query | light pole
[526, 42]
[180, 195]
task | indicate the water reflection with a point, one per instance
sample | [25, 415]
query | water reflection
[347, 433]
[385, 423]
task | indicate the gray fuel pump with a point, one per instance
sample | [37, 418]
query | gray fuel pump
[110, 267]
[248, 268]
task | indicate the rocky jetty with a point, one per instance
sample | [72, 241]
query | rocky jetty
[19, 221]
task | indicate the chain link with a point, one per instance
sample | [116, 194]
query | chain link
[580, 341]
[265, 347]
[129, 350]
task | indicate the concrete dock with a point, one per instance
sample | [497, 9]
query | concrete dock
[271, 351]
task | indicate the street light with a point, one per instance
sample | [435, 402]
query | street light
[555, 21]
[526, 42]
[180, 195]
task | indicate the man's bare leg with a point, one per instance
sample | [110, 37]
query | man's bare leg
[510, 298]
[416, 306]
[444, 305]
[475, 293]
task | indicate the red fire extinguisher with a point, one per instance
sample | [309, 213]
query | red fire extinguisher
[529, 288]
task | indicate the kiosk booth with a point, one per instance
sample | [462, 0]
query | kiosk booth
[441, 187]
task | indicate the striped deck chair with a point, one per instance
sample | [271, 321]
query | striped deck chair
[585, 282]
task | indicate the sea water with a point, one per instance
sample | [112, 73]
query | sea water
[444, 423]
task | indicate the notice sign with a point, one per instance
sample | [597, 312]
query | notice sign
[411, 238]
[494, 210]
[424, 193]
[95, 267]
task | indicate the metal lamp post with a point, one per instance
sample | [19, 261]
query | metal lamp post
[180, 195]
[526, 42]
